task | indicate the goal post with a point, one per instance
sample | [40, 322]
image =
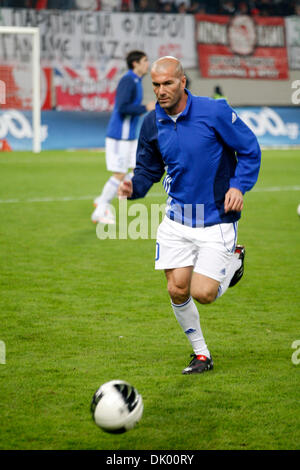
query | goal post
[36, 100]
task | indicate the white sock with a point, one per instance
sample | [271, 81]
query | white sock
[234, 265]
[109, 190]
[188, 317]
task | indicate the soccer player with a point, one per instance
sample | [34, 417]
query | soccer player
[211, 159]
[121, 135]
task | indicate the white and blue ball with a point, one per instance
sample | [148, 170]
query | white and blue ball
[117, 406]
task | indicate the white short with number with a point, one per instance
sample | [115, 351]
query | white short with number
[208, 249]
[120, 154]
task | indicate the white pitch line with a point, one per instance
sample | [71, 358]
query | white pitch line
[46, 199]
[267, 189]
[274, 189]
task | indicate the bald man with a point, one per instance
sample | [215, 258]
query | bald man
[211, 158]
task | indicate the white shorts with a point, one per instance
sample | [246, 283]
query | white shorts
[120, 154]
[208, 249]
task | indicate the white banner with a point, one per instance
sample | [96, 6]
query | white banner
[293, 41]
[80, 38]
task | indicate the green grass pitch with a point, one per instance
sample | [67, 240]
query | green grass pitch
[77, 311]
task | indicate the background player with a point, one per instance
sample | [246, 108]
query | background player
[121, 135]
[212, 158]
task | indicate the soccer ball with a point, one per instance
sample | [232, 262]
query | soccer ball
[117, 406]
[298, 210]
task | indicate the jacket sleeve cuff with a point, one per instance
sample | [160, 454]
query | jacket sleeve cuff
[234, 183]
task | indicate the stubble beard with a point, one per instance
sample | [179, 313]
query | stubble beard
[171, 109]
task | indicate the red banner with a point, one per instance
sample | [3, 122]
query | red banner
[86, 88]
[17, 82]
[241, 47]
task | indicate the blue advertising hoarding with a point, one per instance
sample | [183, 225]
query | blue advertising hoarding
[273, 126]
[59, 129]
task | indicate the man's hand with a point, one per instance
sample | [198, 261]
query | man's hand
[233, 200]
[125, 189]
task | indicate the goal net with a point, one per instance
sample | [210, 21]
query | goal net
[20, 80]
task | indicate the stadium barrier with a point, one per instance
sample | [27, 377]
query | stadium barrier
[59, 129]
[273, 126]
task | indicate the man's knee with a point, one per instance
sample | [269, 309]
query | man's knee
[204, 295]
[179, 293]
[204, 289]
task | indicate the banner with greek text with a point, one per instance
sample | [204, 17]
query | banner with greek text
[241, 47]
[76, 37]
[292, 25]
[86, 50]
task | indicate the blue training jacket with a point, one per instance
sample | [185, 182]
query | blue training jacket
[207, 151]
[124, 120]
